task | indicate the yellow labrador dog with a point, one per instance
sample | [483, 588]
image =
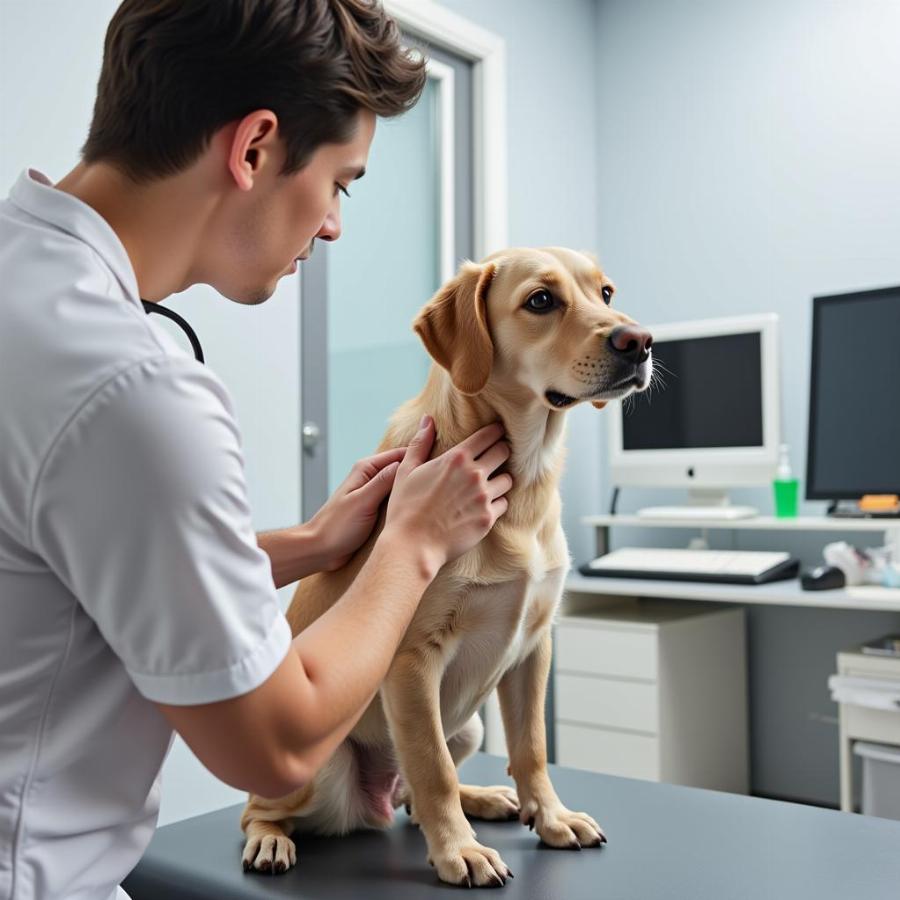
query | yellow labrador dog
[520, 337]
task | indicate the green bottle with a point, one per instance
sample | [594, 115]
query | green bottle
[785, 486]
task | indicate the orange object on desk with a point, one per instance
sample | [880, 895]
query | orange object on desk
[879, 502]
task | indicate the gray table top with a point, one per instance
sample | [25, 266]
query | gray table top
[665, 841]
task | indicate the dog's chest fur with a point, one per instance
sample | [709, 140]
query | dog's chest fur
[485, 614]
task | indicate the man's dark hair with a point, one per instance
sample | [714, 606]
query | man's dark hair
[176, 71]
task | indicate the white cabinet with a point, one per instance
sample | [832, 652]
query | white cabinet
[864, 723]
[653, 689]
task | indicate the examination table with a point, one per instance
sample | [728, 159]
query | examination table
[665, 843]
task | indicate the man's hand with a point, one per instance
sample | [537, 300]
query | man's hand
[347, 518]
[448, 504]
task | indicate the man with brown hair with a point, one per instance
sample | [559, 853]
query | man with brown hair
[135, 597]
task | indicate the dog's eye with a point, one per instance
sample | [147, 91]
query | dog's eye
[540, 302]
[607, 295]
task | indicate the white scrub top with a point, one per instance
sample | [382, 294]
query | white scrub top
[129, 570]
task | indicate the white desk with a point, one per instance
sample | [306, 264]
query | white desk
[756, 523]
[584, 590]
[779, 593]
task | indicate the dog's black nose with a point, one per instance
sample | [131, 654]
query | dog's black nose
[631, 341]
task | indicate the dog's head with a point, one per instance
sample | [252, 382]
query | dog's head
[539, 319]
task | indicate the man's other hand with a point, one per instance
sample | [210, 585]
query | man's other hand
[347, 518]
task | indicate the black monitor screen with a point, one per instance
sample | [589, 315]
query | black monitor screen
[854, 398]
[709, 395]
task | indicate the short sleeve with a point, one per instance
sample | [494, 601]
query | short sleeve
[141, 510]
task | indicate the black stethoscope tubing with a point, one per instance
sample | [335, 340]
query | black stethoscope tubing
[178, 320]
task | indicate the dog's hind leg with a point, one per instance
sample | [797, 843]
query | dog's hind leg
[499, 801]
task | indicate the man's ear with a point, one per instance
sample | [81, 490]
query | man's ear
[453, 327]
[252, 139]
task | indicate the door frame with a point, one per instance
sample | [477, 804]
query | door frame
[444, 79]
[433, 23]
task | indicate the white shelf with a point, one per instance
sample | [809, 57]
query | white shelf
[778, 593]
[771, 523]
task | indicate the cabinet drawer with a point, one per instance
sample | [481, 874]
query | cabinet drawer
[864, 723]
[583, 648]
[602, 701]
[610, 752]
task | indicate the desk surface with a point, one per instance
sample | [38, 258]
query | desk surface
[774, 593]
[665, 841]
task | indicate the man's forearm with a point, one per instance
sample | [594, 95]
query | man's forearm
[347, 651]
[294, 552]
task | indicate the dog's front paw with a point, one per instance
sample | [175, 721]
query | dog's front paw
[562, 828]
[269, 853]
[471, 865]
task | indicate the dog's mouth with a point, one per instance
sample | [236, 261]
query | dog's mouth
[635, 380]
[558, 400]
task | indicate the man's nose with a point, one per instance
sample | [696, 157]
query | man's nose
[331, 227]
[631, 341]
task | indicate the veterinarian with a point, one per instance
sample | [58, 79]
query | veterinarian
[135, 598]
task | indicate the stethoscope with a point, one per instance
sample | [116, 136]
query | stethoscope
[178, 320]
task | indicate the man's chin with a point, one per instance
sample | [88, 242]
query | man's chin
[251, 297]
[261, 297]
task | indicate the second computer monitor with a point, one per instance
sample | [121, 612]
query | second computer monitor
[712, 421]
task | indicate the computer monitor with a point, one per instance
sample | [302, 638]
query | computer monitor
[853, 445]
[713, 421]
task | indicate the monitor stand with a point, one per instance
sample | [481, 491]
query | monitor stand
[702, 504]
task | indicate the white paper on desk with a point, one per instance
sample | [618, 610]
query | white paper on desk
[871, 692]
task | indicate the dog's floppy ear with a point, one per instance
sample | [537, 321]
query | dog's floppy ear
[453, 327]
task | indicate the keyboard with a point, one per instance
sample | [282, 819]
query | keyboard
[723, 566]
[698, 512]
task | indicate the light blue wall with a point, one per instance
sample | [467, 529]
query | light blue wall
[748, 158]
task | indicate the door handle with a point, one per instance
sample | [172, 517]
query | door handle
[311, 435]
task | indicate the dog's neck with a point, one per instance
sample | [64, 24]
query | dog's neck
[534, 433]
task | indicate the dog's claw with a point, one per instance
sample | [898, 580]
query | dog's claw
[574, 845]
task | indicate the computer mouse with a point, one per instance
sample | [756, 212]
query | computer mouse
[823, 578]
